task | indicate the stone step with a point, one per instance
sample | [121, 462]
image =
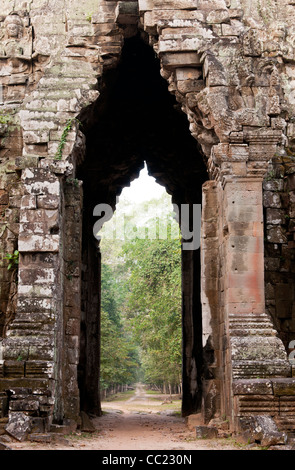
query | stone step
[49, 438]
[55, 83]
[250, 318]
[287, 425]
[255, 331]
[245, 325]
[70, 67]
[24, 328]
[264, 369]
[54, 95]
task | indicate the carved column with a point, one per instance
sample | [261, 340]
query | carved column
[252, 351]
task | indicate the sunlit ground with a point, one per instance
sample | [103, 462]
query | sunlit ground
[143, 400]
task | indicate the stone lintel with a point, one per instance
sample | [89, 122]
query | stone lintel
[172, 60]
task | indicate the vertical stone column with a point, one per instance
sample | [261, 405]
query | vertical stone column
[32, 350]
[192, 333]
[254, 350]
[72, 246]
[243, 228]
[89, 367]
[212, 299]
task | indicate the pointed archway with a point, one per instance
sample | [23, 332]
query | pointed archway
[136, 119]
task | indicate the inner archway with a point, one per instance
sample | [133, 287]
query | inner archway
[141, 333]
[137, 120]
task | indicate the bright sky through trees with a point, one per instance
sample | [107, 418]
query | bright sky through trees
[143, 188]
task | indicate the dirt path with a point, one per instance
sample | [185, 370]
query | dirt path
[142, 422]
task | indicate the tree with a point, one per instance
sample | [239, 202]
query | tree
[119, 361]
[141, 293]
[154, 306]
[119, 357]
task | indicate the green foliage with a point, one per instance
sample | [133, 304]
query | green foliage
[270, 175]
[5, 119]
[119, 361]
[88, 17]
[73, 181]
[111, 288]
[13, 260]
[7, 124]
[141, 298]
[64, 136]
[119, 354]
[154, 306]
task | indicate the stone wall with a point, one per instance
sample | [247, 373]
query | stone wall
[280, 247]
[11, 192]
[230, 66]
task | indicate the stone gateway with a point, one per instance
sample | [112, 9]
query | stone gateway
[204, 93]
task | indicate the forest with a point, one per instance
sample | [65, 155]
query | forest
[141, 331]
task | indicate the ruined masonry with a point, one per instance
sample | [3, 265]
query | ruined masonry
[72, 137]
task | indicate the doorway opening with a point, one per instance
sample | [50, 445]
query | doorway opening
[137, 120]
[141, 333]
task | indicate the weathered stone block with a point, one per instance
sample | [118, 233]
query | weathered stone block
[185, 44]
[206, 432]
[127, 13]
[19, 425]
[175, 5]
[275, 216]
[40, 182]
[212, 5]
[252, 387]
[178, 59]
[263, 429]
[145, 5]
[37, 243]
[14, 368]
[47, 202]
[189, 86]
[284, 386]
[194, 420]
[218, 16]
[24, 405]
[43, 276]
[39, 369]
[276, 234]
[28, 202]
[38, 425]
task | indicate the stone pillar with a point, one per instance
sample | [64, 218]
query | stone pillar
[72, 247]
[243, 230]
[32, 349]
[253, 348]
[212, 299]
[192, 362]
